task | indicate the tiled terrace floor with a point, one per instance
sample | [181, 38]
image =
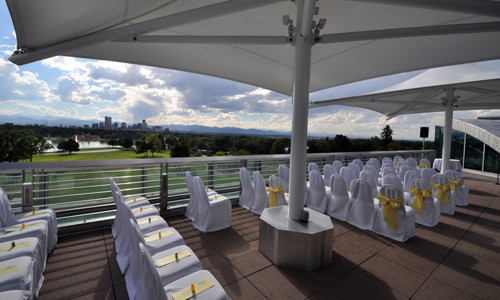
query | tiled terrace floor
[459, 258]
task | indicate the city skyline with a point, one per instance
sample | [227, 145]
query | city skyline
[84, 89]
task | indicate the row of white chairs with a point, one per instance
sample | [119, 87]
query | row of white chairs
[153, 256]
[208, 210]
[255, 196]
[26, 239]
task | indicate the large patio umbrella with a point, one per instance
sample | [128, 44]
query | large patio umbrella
[283, 46]
[463, 87]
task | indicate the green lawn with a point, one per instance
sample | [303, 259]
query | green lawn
[121, 154]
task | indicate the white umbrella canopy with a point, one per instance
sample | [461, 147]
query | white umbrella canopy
[473, 87]
[246, 40]
[252, 42]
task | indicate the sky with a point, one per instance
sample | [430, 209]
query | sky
[89, 90]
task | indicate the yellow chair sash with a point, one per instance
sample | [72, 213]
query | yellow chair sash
[390, 210]
[418, 204]
[273, 200]
[193, 290]
[424, 165]
[442, 195]
[454, 183]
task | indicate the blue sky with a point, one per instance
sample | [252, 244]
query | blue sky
[89, 90]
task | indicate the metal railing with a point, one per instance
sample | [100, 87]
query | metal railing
[79, 191]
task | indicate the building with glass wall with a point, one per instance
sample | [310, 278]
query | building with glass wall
[476, 143]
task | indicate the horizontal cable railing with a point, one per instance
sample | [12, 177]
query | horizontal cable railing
[79, 191]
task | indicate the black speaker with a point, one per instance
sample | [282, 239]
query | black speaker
[424, 132]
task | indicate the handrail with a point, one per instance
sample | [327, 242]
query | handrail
[79, 190]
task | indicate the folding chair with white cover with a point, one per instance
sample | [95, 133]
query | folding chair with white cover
[410, 161]
[355, 169]
[312, 166]
[394, 181]
[337, 164]
[388, 170]
[212, 215]
[387, 159]
[339, 204]
[17, 274]
[276, 192]
[317, 194]
[191, 207]
[284, 174]
[169, 268]
[359, 162]
[375, 161]
[368, 177]
[261, 199]
[48, 215]
[402, 171]
[394, 219]
[152, 287]
[459, 191]
[427, 173]
[34, 229]
[328, 171]
[424, 163]
[364, 210]
[348, 176]
[409, 176]
[31, 247]
[387, 165]
[247, 190]
[441, 190]
[371, 169]
[427, 208]
[16, 295]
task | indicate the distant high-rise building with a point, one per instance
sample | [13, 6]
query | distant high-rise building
[95, 126]
[144, 125]
[86, 126]
[124, 125]
[101, 125]
[107, 122]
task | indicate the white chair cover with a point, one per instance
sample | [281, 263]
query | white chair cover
[18, 275]
[387, 159]
[405, 216]
[441, 190]
[247, 190]
[371, 169]
[424, 163]
[212, 215]
[8, 218]
[368, 177]
[402, 171]
[284, 174]
[376, 162]
[261, 200]
[317, 195]
[363, 211]
[427, 173]
[275, 183]
[328, 171]
[216, 292]
[339, 204]
[409, 176]
[359, 162]
[312, 166]
[26, 247]
[430, 212]
[394, 181]
[191, 208]
[16, 295]
[388, 170]
[459, 191]
[411, 162]
[169, 238]
[337, 164]
[170, 272]
[355, 169]
[387, 165]
[348, 176]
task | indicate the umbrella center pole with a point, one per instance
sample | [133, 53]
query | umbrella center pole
[448, 125]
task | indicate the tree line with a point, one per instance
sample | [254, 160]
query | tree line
[23, 142]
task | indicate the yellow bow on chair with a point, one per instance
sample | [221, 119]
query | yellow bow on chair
[454, 183]
[390, 213]
[424, 165]
[442, 195]
[418, 204]
[273, 201]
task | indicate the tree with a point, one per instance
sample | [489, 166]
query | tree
[126, 143]
[280, 146]
[69, 145]
[36, 144]
[180, 149]
[341, 143]
[141, 146]
[386, 134]
[154, 143]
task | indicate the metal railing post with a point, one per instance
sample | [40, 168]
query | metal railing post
[27, 197]
[164, 191]
[44, 186]
[144, 177]
[210, 182]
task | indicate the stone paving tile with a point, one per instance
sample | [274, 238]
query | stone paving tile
[223, 271]
[433, 289]
[246, 258]
[243, 289]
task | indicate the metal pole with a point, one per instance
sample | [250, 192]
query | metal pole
[300, 98]
[448, 123]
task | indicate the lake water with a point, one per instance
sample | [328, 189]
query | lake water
[84, 144]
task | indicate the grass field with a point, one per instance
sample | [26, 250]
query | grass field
[85, 155]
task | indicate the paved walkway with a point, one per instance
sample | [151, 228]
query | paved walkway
[459, 258]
